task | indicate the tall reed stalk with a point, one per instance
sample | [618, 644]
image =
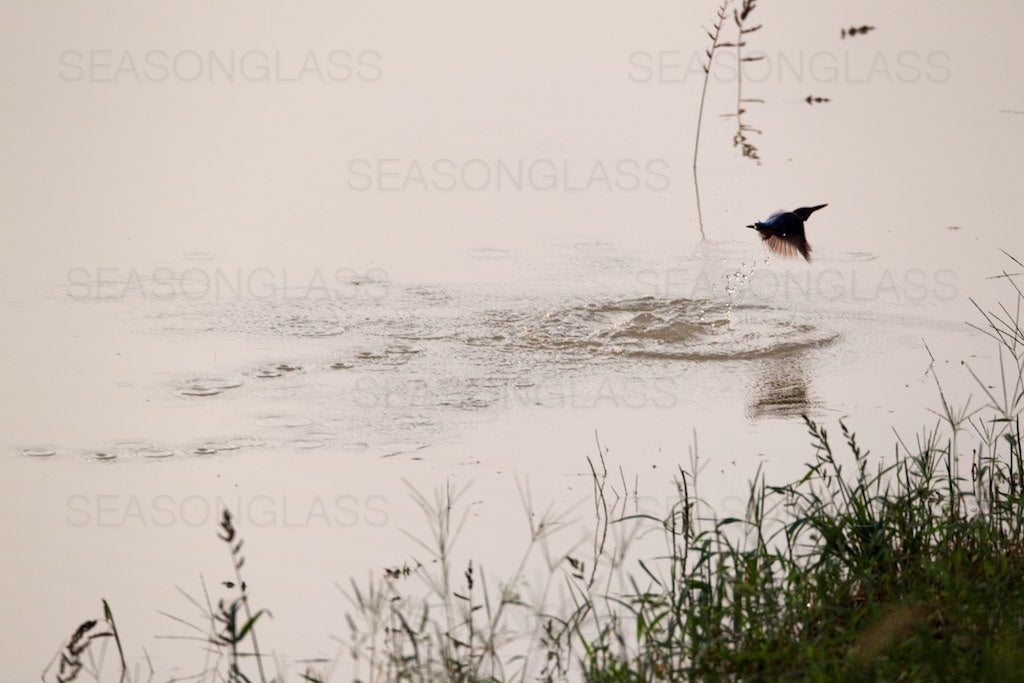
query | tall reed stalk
[714, 34]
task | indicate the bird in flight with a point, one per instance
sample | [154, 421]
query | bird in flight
[783, 231]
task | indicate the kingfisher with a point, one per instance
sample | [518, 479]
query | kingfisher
[783, 231]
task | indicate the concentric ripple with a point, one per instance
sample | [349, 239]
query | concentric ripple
[667, 329]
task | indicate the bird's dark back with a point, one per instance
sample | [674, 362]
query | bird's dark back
[781, 223]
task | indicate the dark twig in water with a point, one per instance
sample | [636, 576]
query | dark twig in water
[855, 30]
[812, 99]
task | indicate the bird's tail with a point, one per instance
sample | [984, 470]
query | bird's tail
[805, 212]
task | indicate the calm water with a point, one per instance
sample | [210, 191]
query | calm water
[458, 262]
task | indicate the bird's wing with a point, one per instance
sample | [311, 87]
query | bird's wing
[781, 246]
[804, 248]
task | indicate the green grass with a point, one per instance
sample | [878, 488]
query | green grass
[858, 570]
[879, 573]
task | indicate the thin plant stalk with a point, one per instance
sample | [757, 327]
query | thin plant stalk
[714, 35]
[740, 139]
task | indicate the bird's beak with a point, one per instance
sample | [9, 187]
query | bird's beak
[752, 226]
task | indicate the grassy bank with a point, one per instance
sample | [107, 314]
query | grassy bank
[911, 568]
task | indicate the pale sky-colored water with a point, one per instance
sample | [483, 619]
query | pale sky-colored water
[329, 254]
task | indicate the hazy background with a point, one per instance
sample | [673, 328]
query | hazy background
[297, 211]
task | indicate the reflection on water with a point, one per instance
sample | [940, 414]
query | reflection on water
[780, 388]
